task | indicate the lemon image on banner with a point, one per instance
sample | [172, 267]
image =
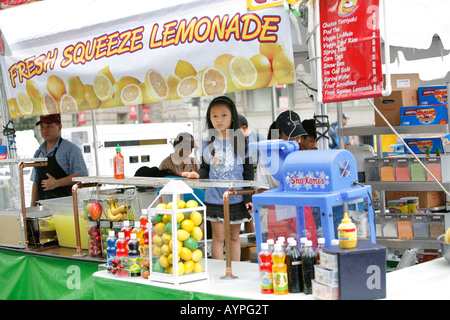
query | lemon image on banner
[155, 86]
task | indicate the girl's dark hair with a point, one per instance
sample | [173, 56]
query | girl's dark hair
[235, 124]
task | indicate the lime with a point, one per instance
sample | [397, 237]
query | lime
[157, 218]
[168, 228]
[157, 267]
[190, 243]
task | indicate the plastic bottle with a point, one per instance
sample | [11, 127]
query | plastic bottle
[302, 244]
[122, 252]
[134, 263]
[110, 249]
[143, 219]
[279, 271]
[320, 244]
[308, 261]
[145, 249]
[126, 229]
[334, 242]
[271, 244]
[118, 165]
[347, 233]
[139, 233]
[265, 269]
[293, 263]
[282, 241]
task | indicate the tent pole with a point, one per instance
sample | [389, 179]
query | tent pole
[95, 143]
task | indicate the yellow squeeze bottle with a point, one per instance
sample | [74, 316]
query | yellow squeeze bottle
[347, 233]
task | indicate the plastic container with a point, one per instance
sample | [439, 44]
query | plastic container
[329, 261]
[111, 248]
[95, 238]
[308, 262]
[279, 271]
[118, 165]
[133, 262]
[105, 228]
[265, 269]
[434, 165]
[325, 276]
[62, 211]
[436, 223]
[397, 206]
[347, 233]
[417, 170]
[387, 172]
[324, 292]
[413, 204]
[404, 226]
[372, 169]
[294, 267]
[421, 229]
[401, 168]
[389, 226]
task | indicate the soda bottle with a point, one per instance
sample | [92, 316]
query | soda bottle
[139, 233]
[279, 271]
[282, 240]
[126, 229]
[271, 244]
[143, 219]
[320, 244]
[118, 165]
[122, 253]
[110, 249]
[308, 261]
[294, 263]
[134, 263]
[265, 269]
[302, 243]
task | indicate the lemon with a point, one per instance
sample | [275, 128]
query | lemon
[172, 82]
[198, 267]
[191, 204]
[25, 104]
[243, 73]
[197, 233]
[181, 205]
[283, 68]
[131, 95]
[157, 240]
[155, 86]
[196, 217]
[170, 258]
[180, 217]
[222, 63]
[179, 245]
[197, 255]
[186, 254]
[184, 69]
[166, 237]
[103, 87]
[76, 89]
[169, 205]
[91, 97]
[189, 87]
[170, 269]
[187, 225]
[161, 206]
[180, 268]
[68, 104]
[122, 83]
[13, 107]
[32, 89]
[214, 81]
[159, 228]
[188, 266]
[182, 234]
[263, 69]
[165, 250]
[157, 251]
[166, 218]
[270, 49]
[56, 87]
[38, 108]
[163, 261]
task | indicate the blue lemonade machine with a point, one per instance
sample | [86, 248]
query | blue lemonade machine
[316, 178]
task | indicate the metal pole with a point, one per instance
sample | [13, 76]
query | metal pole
[95, 143]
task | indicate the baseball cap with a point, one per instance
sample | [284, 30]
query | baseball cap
[290, 124]
[49, 119]
[344, 116]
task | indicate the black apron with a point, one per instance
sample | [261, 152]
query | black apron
[54, 169]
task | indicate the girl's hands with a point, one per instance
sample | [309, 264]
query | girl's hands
[249, 207]
[190, 175]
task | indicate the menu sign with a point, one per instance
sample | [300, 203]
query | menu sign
[350, 47]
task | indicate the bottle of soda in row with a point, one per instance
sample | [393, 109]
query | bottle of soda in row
[279, 271]
[294, 267]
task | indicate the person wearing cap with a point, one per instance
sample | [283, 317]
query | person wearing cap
[64, 161]
[333, 143]
[180, 161]
[309, 141]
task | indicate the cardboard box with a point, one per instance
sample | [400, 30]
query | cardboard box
[427, 199]
[246, 252]
[432, 95]
[390, 106]
[420, 144]
[423, 115]
[407, 81]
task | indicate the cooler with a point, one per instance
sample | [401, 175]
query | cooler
[310, 181]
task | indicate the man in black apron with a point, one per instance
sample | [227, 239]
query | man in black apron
[52, 181]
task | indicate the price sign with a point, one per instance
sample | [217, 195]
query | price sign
[350, 46]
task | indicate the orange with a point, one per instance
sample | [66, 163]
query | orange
[214, 81]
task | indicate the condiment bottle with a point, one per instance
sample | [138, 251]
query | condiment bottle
[118, 165]
[347, 233]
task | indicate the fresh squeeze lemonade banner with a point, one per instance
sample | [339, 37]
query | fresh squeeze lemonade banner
[188, 52]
